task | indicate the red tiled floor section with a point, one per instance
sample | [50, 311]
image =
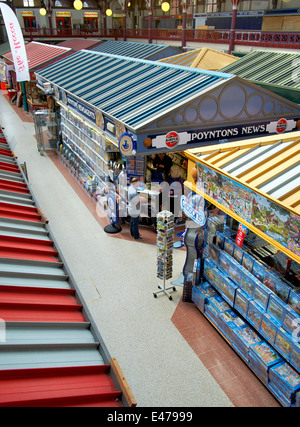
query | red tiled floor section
[240, 384]
[24, 115]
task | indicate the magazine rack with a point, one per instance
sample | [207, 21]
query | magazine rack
[165, 235]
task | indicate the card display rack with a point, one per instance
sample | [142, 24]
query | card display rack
[89, 145]
[165, 236]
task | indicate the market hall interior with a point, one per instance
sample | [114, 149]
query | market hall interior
[166, 358]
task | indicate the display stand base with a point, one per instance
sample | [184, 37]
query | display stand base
[112, 229]
[165, 290]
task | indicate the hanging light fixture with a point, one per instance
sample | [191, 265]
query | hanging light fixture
[78, 4]
[108, 12]
[43, 11]
[165, 6]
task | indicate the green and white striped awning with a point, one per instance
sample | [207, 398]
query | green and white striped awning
[133, 91]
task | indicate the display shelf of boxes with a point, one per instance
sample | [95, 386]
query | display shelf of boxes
[256, 311]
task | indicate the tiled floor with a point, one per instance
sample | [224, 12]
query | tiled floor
[24, 115]
[234, 377]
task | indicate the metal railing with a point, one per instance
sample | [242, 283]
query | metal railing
[282, 39]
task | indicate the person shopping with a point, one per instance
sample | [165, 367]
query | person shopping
[134, 208]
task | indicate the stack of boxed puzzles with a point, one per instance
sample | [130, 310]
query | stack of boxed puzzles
[284, 382]
[261, 358]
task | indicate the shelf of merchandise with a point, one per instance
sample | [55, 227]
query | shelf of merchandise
[266, 314]
[93, 150]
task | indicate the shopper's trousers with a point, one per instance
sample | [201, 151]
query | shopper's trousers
[134, 226]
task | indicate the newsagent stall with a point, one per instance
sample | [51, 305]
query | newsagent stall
[119, 113]
[249, 288]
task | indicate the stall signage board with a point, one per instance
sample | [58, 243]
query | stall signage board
[266, 215]
[194, 207]
[176, 140]
[81, 108]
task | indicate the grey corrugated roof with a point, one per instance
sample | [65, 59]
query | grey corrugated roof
[135, 92]
[277, 68]
[136, 50]
[277, 71]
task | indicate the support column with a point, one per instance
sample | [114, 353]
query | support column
[150, 19]
[235, 4]
[184, 8]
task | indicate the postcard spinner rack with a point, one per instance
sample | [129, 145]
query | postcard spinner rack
[165, 236]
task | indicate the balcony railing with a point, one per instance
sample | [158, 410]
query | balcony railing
[279, 39]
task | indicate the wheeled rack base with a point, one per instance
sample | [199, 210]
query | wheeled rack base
[165, 290]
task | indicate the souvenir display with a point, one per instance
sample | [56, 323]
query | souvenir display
[282, 290]
[295, 356]
[89, 145]
[228, 291]
[229, 246]
[200, 293]
[270, 280]
[248, 283]
[261, 295]
[218, 280]
[276, 307]
[228, 321]
[214, 306]
[284, 382]
[255, 314]
[268, 327]
[294, 300]
[196, 271]
[165, 235]
[219, 303]
[258, 271]
[238, 254]
[213, 253]
[291, 320]
[224, 261]
[261, 358]
[220, 239]
[248, 261]
[242, 339]
[283, 343]
[235, 272]
[241, 302]
[267, 304]
[209, 269]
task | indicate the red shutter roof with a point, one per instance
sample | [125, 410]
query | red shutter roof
[40, 53]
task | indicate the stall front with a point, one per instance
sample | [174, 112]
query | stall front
[39, 55]
[127, 110]
[249, 289]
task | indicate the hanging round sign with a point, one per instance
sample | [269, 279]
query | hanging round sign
[172, 139]
[126, 144]
[281, 125]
